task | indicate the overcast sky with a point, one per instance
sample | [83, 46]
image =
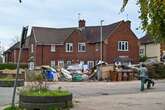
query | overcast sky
[61, 13]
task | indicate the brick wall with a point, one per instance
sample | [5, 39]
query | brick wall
[12, 57]
[43, 54]
[124, 33]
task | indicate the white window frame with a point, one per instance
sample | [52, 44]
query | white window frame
[61, 63]
[69, 62]
[91, 64]
[123, 46]
[70, 48]
[52, 63]
[53, 48]
[32, 48]
[141, 51]
[80, 47]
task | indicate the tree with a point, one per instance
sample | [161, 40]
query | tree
[152, 15]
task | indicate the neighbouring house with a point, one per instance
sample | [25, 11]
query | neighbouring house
[11, 55]
[60, 46]
[151, 49]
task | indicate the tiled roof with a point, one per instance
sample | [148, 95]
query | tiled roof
[146, 40]
[16, 45]
[59, 35]
[92, 33]
[51, 35]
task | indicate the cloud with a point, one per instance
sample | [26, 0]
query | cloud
[62, 13]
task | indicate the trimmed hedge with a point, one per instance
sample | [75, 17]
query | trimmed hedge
[156, 71]
[12, 66]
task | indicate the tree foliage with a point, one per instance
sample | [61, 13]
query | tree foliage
[152, 15]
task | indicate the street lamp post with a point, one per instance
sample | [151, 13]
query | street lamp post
[101, 40]
[101, 48]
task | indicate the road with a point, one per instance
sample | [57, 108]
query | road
[85, 90]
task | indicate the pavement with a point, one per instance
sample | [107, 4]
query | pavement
[106, 95]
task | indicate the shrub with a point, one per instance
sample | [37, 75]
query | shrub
[12, 66]
[143, 58]
[156, 71]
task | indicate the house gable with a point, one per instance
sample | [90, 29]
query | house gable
[76, 35]
[122, 33]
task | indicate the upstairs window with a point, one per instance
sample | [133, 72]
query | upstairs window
[81, 47]
[53, 48]
[69, 47]
[122, 45]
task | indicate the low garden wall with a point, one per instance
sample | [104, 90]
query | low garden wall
[10, 83]
[44, 102]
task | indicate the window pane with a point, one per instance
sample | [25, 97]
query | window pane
[53, 48]
[123, 46]
[71, 47]
[81, 47]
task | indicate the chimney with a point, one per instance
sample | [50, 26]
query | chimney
[128, 23]
[81, 23]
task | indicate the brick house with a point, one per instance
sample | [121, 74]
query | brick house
[59, 46]
[11, 55]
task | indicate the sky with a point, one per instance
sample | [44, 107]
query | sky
[61, 13]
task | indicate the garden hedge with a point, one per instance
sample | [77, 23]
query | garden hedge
[156, 71]
[12, 66]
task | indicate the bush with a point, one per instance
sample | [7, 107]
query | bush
[12, 66]
[143, 58]
[156, 71]
[12, 108]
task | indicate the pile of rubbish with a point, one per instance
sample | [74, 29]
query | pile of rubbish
[75, 72]
[82, 72]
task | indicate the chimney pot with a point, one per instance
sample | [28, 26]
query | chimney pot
[81, 23]
[128, 23]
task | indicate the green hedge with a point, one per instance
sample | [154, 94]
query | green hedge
[12, 66]
[156, 71]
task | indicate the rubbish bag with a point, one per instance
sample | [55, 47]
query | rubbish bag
[66, 74]
[77, 77]
[50, 75]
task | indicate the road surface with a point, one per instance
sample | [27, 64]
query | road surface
[87, 91]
